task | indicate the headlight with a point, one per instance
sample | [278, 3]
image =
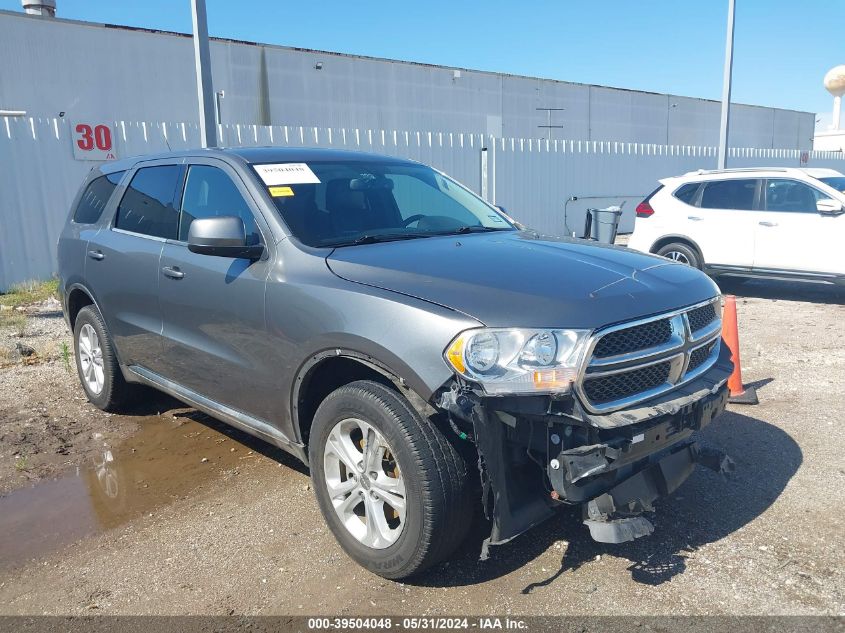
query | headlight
[518, 361]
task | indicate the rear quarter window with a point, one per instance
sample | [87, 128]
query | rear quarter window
[686, 193]
[94, 199]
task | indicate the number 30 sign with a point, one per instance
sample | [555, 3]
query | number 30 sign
[93, 141]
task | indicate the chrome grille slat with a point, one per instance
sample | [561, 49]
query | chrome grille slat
[701, 317]
[610, 387]
[639, 337]
[647, 357]
[699, 356]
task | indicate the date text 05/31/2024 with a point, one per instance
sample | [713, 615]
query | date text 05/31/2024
[416, 623]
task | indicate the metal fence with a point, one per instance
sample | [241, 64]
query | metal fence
[535, 180]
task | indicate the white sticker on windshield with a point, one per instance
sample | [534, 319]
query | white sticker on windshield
[286, 174]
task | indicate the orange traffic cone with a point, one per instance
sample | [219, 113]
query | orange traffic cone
[739, 394]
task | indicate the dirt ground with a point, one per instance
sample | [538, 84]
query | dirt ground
[164, 511]
[46, 423]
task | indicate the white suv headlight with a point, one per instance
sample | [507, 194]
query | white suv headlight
[518, 361]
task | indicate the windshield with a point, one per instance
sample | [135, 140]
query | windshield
[837, 182]
[342, 204]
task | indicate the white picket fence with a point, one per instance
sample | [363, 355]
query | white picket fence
[533, 179]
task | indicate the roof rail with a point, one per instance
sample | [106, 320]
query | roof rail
[740, 170]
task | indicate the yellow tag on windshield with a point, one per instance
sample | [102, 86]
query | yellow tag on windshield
[278, 192]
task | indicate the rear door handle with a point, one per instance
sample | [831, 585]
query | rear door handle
[768, 223]
[98, 255]
[173, 273]
[694, 218]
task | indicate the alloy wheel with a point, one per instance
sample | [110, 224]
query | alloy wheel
[677, 256]
[365, 483]
[91, 359]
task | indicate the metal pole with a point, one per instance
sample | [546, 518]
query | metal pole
[202, 59]
[726, 88]
[219, 112]
[484, 175]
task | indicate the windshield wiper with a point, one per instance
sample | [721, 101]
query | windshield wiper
[476, 229]
[374, 238]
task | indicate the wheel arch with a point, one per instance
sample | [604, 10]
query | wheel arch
[328, 370]
[78, 296]
[682, 239]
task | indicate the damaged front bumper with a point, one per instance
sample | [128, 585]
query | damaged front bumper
[537, 453]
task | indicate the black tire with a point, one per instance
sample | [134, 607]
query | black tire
[439, 509]
[116, 392]
[678, 251]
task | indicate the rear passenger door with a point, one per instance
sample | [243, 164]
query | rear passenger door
[123, 261]
[724, 221]
[214, 334]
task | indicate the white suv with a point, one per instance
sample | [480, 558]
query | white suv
[785, 222]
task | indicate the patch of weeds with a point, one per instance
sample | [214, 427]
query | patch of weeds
[29, 292]
[15, 320]
[22, 463]
[66, 355]
[21, 326]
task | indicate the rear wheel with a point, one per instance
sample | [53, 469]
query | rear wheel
[681, 253]
[390, 486]
[96, 362]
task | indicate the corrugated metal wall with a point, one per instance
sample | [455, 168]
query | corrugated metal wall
[94, 71]
[535, 179]
[532, 179]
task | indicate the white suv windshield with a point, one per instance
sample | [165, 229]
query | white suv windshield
[837, 182]
[361, 202]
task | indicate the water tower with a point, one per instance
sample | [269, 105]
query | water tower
[834, 81]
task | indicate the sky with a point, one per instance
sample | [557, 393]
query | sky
[782, 49]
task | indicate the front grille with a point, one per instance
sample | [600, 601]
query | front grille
[634, 339]
[632, 362]
[699, 318]
[603, 389]
[700, 355]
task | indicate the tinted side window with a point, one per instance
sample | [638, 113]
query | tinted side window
[687, 192]
[209, 192]
[147, 206]
[729, 194]
[94, 200]
[790, 195]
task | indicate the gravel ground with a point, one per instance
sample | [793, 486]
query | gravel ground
[175, 513]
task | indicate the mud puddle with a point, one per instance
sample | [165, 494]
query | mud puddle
[169, 458]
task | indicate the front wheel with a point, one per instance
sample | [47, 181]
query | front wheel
[390, 486]
[681, 253]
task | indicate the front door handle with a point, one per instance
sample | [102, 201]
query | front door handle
[694, 218]
[768, 223]
[98, 255]
[173, 273]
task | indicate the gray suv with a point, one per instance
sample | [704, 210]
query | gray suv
[399, 335]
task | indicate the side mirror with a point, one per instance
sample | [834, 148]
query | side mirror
[828, 206]
[222, 236]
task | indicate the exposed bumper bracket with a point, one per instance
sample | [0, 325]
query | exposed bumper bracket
[613, 517]
[619, 530]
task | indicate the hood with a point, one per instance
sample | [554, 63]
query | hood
[517, 279]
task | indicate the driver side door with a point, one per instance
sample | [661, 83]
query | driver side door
[793, 235]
